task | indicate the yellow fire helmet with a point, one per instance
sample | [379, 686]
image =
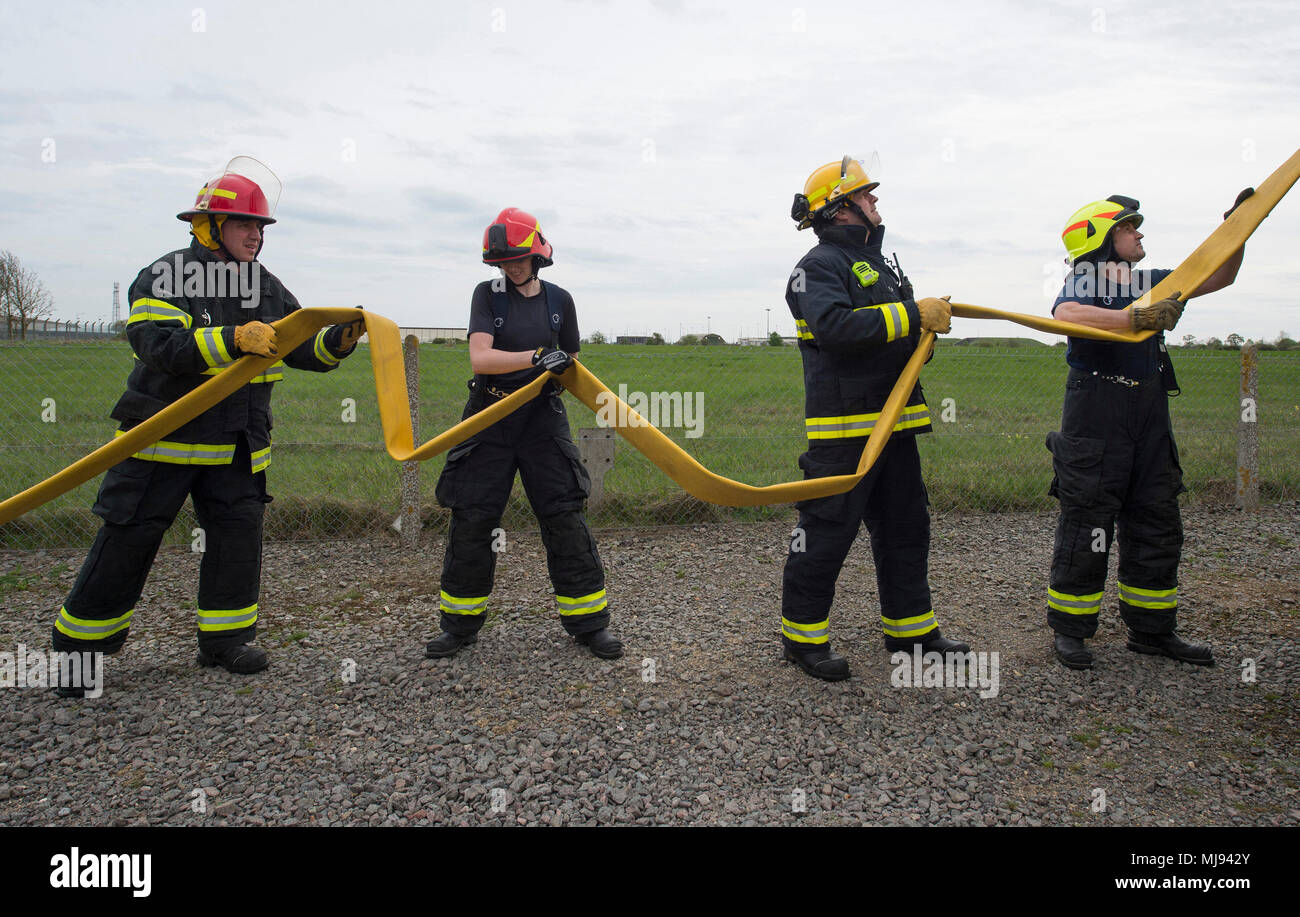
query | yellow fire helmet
[1090, 226]
[828, 189]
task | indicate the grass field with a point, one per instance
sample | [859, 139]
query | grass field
[993, 406]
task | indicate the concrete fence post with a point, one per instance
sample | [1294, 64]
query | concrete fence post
[410, 473]
[1248, 432]
[596, 447]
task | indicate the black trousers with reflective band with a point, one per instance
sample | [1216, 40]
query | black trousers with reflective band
[892, 502]
[475, 485]
[1117, 476]
[138, 501]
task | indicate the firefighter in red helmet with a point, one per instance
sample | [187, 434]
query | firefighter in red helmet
[194, 312]
[519, 326]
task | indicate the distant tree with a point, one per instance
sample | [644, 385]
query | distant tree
[1235, 341]
[597, 337]
[712, 339]
[774, 340]
[689, 339]
[1189, 340]
[23, 298]
[1214, 343]
[656, 338]
[1285, 343]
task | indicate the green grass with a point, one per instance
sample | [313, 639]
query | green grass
[993, 407]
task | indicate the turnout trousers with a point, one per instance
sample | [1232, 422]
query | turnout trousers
[475, 485]
[1116, 467]
[892, 501]
[138, 501]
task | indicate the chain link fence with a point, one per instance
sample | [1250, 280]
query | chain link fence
[738, 410]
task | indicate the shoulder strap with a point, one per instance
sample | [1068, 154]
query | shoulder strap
[501, 309]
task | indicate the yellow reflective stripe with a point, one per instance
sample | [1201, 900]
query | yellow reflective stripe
[213, 347]
[322, 353]
[261, 459]
[273, 374]
[801, 329]
[227, 619]
[461, 605]
[185, 453]
[817, 632]
[583, 604]
[90, 629]
[909, 627]
[222, 192]
[155, 310]
[1149, 598]
[914, 415]
[1069, 604]
[897, 324]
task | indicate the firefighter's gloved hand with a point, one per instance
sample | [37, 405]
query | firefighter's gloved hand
[1156, 316]
[256, 338]
[936, 314]
[1237, 203]
[350, 334]
[552, 360]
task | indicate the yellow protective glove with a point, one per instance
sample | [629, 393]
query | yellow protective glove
[1156, 316]
[350, 334]
[936, 314]
[256, 338]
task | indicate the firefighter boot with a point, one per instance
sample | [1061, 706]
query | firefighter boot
[447, 644]
[820, 663]
[239, 660]
[1170, 645]
[77, 681]
[601, 643]
[1072, 651]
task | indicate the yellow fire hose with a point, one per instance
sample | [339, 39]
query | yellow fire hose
[689, 474]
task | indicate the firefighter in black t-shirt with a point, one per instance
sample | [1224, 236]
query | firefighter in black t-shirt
[519, 327]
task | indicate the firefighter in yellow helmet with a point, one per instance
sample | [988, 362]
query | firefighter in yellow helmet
[194, 312]
[858, 324]
[1115, 460]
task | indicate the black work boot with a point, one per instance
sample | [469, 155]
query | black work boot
[1170, 645]
[240, 660]
[1072, 651]
[85, 663]
[819, 663]
[447, 644]
[932, 643]
[601, 643]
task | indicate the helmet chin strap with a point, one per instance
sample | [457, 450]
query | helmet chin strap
[531, 277]
[853, 205]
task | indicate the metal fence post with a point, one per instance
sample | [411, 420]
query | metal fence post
[410, 473]
[1248, 432]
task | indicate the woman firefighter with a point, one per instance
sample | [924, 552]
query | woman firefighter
[520, 326]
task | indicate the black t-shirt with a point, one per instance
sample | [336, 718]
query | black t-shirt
[527, 325]
[1134, 361]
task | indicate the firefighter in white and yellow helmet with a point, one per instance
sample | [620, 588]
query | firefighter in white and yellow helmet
[1115, 460]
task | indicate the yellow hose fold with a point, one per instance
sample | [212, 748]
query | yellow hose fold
[390, 384]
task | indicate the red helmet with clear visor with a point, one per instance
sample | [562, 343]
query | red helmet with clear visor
[515, 234]
[245, 190]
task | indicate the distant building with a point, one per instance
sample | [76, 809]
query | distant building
[632, 339]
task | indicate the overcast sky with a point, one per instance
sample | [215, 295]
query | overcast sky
[660, 144]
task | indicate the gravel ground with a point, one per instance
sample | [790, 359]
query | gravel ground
[700, 723]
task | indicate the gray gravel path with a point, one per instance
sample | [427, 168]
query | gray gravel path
[527, 728]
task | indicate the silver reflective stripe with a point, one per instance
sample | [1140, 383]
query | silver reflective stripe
[209, 617]
[904, 629]
[791, 632]
[1070, 604]
[69, 624]
[567, 608]
[177, 452]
